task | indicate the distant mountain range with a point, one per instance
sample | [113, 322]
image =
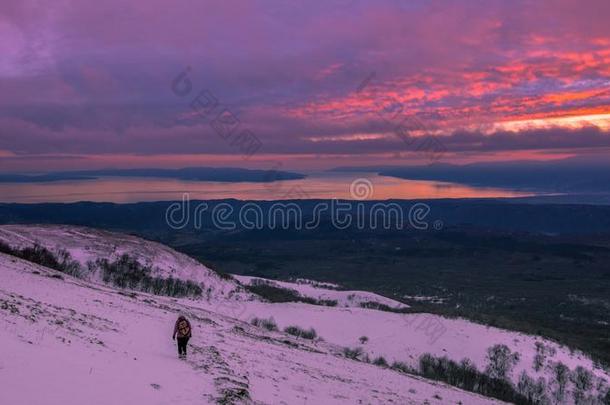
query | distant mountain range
[187, 173]
[562, 176]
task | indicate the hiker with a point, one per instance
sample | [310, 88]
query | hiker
[182, 329]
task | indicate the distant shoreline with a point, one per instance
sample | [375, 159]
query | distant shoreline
[231, 175]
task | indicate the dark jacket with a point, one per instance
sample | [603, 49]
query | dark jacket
[182, 328]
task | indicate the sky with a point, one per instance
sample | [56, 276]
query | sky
[301, 85]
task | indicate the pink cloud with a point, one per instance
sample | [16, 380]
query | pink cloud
[94, 78]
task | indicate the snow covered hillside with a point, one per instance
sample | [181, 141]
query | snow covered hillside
[405, 337]
[320, 291]
[86, 245]
[113, 343]
[68, 341]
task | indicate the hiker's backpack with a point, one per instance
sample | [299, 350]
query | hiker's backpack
[184, 328]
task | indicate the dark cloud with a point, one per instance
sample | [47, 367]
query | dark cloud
[95, 78]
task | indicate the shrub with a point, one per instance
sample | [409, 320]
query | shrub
[61, 261]
[354, 353]
[583, 382]
[66, 264]
[500, 361]
[299, 332]
[268, 323]
[534, 391]
[402, 367]
[225, 276]
[380, 361]
[40, 255]
[6, 249]
[539, 358]
[465, 376]
[127, 272]
[363, 339]
[383, 307]
[275, 293]
[467, 364]
[542, 352]
[560, 373]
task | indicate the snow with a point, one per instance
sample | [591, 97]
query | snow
[41, 376]
[321, 284]
[71, 344]
[88, 244]
[72, 341]
[67, 340]
[405, 337]
[425, 298]
[344, 298]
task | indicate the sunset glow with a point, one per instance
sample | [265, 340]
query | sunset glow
[319, 80]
